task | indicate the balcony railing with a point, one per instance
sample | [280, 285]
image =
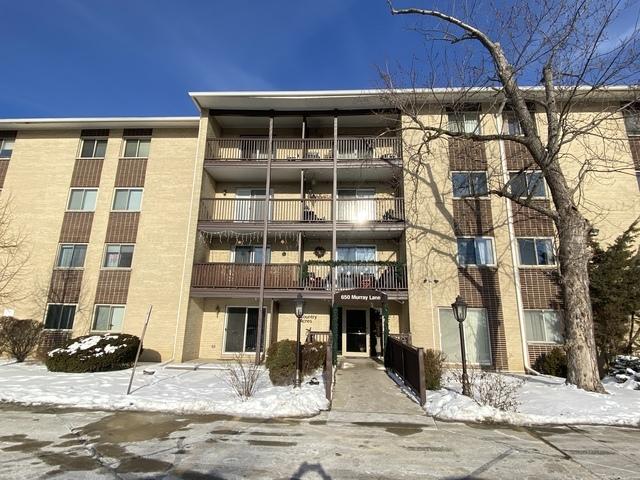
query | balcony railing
[292, 276]
[309, 149]
[308, 210]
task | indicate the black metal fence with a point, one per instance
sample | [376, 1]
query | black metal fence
[327, 371]
[407, 362]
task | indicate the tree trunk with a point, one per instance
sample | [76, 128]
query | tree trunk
[574, 256]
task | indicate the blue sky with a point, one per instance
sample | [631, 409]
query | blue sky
[141, 57]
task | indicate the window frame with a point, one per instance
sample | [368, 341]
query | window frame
[3, 141]
[46, 314]
[474, 237]
[469, 173]
[95, 147]
[535, 248]
[127, 189]
[83, 189]
[120, 245]
[74, 245]
[560, 318]
[476, 131]
[138, 140]
[527, 176]
[488, 331]
[265, 322]
[111, 307]
[631, 115]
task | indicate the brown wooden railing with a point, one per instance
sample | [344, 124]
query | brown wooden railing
[313, 336]
[407, 362]
[327, 370]
[308, 210]
[289, 276]
[294, 149]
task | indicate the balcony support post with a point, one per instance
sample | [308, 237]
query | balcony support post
[334, 205]
[265, 231]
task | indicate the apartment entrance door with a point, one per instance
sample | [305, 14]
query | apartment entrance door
[355, 332]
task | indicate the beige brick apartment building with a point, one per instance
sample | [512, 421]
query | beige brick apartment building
[268, 195]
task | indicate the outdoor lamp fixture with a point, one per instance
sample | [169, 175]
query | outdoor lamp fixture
[460, 313]
[299, 312]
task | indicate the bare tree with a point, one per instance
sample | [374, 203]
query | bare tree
[13, 256]
[564, 49]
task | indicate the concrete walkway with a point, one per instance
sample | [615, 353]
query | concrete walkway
[364, 392]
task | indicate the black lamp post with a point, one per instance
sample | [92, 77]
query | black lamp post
[299, 313]
[460, 313]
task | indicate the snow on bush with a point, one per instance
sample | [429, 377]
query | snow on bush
[626, 369]
[492, 389]
[94, 353]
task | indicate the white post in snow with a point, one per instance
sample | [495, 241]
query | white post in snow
[135, 363]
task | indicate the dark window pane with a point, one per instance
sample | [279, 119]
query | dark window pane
[131, 148]
[461, 185]
[527, 251]
[466, 251]
[87, 148]
[126, 256]
[60, 317]
[544, 249]
[79, 252]
[235, 329]
[479, 183]
[632, 122]
[518, 185]
[101, 148]
[536, 185]
[102, 319]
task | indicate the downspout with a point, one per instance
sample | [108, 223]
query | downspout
[512, 240]
[265, 231]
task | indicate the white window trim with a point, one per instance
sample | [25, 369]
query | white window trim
[104, 255]
[82, 139]
[527, 174]
[355, 245]
[553, 245]
[479, 197]
[265, 323]
[124, 146]
[44, 319]
[488, 336]
[95, 310]
[60, 245]
[477, 265]
[233, 252]
[477, 114]
[2, 142]
[115, 190]
[72, 189]
[543, 310]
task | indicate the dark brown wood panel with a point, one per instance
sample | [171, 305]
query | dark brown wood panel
[4, 166]
[86, 172]
[530, 223]
[466, 155]
[113, 287]
[540, 289]
[122, 227]
[472, 216]
[517, 155]
[65, 286]
[480, 288]
[131, 172]
[76, 227]
[634, 144]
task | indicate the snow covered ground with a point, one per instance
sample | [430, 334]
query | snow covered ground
[543, 400]
[179, 391]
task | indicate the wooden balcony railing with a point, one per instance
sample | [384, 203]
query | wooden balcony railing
[293, 149]
[308, 210]
[292, 276]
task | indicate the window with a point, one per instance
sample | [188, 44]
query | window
[536, 251]
[82, 199]
[476, 336]
[356, 204]
[127, 199]
[6, 147]
[632, 121]
[241, 331]
[251, 204]
[60, 317]
[475, 251]
[108, 318]
[469, 184]
[93, 148]
[71, 256]
[136, 147]
[250, 254]
[527, 184]
[464, 122]
[511, 125]
[544, 326]
[118, 256]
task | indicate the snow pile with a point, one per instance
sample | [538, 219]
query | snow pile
[626, 370]
[168, 390]
[542, 400]
[86, 343]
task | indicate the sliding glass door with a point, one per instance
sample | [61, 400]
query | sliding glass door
[352, 272]
[356, 205]
[251, 204]
[241, 331]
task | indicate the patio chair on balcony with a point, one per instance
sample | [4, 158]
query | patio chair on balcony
[309, 215]
[391, 216]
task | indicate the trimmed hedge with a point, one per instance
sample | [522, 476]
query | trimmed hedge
[552, 363]
[19, 337]
[94, 353]
[281, 360]
[313, 356]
